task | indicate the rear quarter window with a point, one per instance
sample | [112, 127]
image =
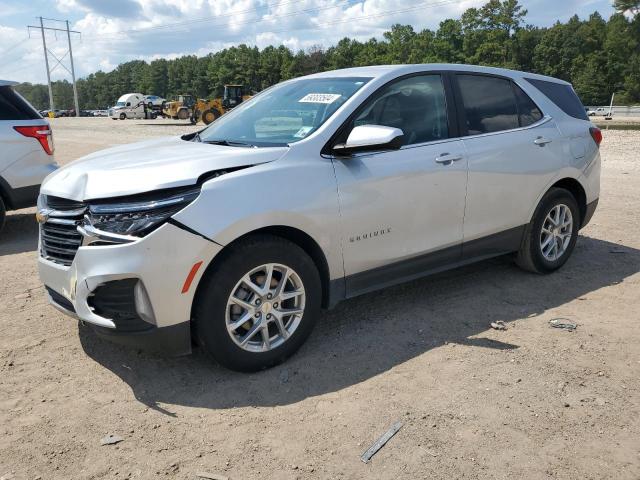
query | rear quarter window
[562, 95]
[14, 107]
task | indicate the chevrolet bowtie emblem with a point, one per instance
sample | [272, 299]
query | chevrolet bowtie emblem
[42, 215]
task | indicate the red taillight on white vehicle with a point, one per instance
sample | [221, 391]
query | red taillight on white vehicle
[596, 134]
[42, 133]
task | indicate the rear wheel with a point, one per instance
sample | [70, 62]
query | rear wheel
[552, 234]
[183, 114]
[259, 305]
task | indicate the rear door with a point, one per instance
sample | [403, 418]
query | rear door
[398, 206]
[513, 151]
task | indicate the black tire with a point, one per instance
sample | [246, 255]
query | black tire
[183, 114]
[123, 116]
[209, 116]
[3, 213]
[217, 285]
[530, 256]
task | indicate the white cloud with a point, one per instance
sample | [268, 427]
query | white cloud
[123, 30]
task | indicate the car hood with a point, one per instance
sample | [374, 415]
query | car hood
[147, 166]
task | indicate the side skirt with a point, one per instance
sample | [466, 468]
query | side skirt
[434, 262]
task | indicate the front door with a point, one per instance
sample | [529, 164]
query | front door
[402, 211]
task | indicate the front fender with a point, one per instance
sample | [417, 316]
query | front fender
[297, 194]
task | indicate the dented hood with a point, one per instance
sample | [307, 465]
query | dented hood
[147, 166]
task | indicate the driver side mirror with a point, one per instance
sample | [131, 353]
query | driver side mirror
[366, 138]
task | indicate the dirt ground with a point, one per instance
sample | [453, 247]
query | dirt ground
[531, 402]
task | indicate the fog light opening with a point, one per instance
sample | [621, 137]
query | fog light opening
[143, 304]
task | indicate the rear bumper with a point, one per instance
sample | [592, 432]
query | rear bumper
[590, 210]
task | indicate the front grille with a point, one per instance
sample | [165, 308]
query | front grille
[115, 300]
[59, 237]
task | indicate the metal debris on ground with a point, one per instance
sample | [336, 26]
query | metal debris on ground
[563, 323]
[211, 476]
[111, 440]
[373, 449]
[499, 325]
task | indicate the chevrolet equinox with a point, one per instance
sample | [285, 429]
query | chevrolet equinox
[316, 190]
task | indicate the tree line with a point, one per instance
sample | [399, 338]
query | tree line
[598, 56]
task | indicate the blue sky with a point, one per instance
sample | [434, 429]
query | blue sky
[115, 31]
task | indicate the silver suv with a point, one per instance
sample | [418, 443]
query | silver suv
[318, 189]
[27, 151]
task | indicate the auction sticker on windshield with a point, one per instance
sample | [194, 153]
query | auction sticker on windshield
[320, 98]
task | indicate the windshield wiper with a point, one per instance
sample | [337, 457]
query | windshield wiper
[228, 143]
[196, 137]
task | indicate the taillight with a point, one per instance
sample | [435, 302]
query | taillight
[596, 134]
[42, 133]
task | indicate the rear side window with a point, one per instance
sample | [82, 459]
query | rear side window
[528, 111]
[562, 95]
[489, 104]
[14, 107]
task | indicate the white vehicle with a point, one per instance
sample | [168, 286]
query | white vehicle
[131, 105]
[154, 101]
[100, 113]
[316, 190]
[599, 112]
[27, 151]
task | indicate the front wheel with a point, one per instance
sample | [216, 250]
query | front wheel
[123, 116]
[552, 234]
[257, 306]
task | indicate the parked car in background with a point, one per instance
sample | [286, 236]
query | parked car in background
[154, 101]
[27, 151]
[100, 113]
[600, 111]
[320, 188]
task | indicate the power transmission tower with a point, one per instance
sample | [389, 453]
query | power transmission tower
[48, 52]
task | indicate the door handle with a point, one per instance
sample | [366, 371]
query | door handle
[448, 159]
[541, 141]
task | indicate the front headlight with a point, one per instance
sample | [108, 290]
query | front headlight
[138, 215]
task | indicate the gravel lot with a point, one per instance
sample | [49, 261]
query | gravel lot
[477, 403]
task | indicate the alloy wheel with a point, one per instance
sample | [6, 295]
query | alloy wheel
[557, 230]
[265, 307]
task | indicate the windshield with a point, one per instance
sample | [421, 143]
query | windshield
[120, 104]
[283, 114]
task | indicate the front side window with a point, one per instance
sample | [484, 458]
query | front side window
[283, 114]
[416, 105]
[489, 104]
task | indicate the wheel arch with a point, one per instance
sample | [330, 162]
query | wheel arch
[577, 190]
[294, 235]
